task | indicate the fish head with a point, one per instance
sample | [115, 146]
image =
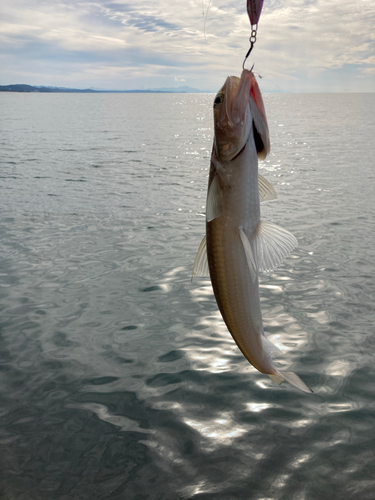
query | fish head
[238, 111]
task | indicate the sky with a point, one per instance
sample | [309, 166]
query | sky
[302, 45]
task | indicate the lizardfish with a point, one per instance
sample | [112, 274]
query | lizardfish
[238, 245]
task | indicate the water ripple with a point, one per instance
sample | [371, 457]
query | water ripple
[118, 376]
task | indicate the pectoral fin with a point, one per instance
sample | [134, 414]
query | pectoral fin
[200, 267]
[272, 245]
[214, 205]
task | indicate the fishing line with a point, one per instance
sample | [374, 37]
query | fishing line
[205, 18]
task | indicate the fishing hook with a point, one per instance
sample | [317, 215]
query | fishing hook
[252, 40]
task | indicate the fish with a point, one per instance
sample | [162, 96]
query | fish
[238, 245]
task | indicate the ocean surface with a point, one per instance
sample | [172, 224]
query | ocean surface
[118, 377]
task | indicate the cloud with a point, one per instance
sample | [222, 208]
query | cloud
[122, 44]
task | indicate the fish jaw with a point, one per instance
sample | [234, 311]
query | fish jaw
[260, 125]
[238, 107]
[232, 118]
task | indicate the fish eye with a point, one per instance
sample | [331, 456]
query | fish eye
[218, 100]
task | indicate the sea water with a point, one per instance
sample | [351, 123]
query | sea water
[119, 379]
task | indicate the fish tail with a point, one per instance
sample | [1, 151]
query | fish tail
[292, 378]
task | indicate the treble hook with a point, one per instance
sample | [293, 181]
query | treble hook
[252, 40]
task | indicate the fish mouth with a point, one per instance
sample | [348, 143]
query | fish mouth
[259, 144]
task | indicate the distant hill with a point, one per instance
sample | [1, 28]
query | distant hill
[32, 88]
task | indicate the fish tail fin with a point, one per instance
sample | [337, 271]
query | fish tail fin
[292, 378]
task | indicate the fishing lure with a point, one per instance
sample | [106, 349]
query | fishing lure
[254, 9]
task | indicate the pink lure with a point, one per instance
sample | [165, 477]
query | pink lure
[254, 8]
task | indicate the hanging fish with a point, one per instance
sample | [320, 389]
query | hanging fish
[238, 244]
